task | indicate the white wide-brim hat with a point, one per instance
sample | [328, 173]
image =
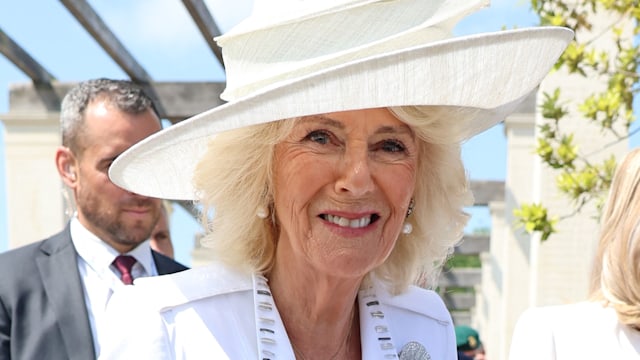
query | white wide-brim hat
[314, 57]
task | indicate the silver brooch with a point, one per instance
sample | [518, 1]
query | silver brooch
[414, 351]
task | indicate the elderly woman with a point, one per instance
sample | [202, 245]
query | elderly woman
[335, 179]
[608, 325]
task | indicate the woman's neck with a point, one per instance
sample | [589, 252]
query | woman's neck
[319, 313]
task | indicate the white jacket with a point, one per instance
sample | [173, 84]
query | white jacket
[214, 313]
[582, 331]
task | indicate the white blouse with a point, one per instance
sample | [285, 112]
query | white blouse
[584, 331]
[213, 312]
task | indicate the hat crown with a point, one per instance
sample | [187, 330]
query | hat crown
[287, 39]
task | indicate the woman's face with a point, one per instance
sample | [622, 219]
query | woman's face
[343, 182]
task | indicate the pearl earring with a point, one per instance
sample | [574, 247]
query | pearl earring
[407, 228]
[262, 212]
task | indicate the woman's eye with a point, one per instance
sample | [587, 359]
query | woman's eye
[318, 136]
[392, 146]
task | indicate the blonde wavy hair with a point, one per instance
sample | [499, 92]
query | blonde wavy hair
[234, 179]
[615, 280]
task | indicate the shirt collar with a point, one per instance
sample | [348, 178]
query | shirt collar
[99, 255]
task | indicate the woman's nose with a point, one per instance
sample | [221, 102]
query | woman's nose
[355, 173]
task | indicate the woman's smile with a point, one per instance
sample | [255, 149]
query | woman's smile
[354, 223]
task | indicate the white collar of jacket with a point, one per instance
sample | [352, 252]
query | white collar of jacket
[216, 279]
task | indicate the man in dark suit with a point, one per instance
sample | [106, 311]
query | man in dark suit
[53, 293]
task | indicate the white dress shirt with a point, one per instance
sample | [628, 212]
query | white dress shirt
[99, 277]
[213, 312]
[584, 331]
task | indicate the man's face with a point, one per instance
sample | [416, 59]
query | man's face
[120, 218]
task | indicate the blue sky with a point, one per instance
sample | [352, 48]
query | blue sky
[162, 37]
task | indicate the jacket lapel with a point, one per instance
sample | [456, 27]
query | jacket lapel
[57, 264]
[166, 265]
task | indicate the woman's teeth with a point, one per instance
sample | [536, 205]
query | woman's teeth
[355, 223]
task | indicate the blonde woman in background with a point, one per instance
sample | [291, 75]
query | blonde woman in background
[607, 326]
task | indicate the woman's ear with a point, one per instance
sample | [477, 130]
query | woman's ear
[66, 165]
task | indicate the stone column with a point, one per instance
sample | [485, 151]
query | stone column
[505, 278]
[34, 189]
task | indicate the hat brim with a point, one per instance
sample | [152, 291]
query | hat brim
[490, 72]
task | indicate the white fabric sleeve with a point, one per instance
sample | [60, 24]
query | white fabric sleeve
[533, 336]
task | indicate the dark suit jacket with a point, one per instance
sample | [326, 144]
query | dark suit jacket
[42, 309]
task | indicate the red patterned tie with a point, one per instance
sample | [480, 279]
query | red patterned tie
[124, 263]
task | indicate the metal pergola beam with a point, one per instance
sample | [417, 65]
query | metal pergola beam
[20, 58]
[97, 28]
[204, 20]
[94, 25]
[41, 78]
